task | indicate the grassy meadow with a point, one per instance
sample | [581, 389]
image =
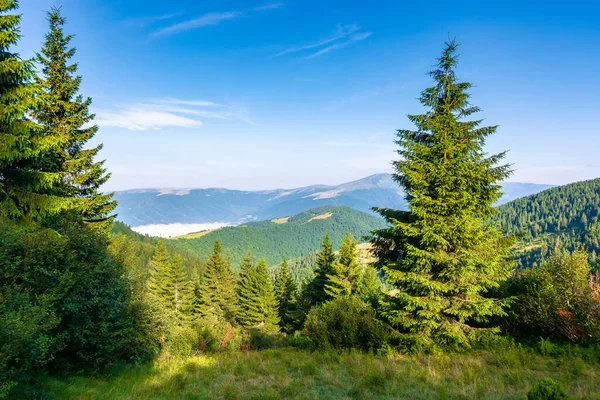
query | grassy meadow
[506, 373]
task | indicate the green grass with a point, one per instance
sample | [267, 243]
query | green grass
[295, 374]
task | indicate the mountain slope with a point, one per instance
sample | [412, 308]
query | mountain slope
[289, 237]
[564, 216]
[196, 206]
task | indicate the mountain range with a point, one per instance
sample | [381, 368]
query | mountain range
[140, 207]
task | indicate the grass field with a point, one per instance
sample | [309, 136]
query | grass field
[295, 374]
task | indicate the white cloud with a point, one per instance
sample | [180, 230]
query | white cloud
[342, 31]
[169, 112]
[169, 230]
[347, 32]
[268, 6]
[138, 119]
[145, 21]
[214, 18]
[352, 39]
[204, 20]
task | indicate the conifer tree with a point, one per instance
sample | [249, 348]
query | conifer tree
[169, 290]
[218, 296]
[285, 293]
[324, 267]
[444, 254]
[65, 117]
[347, 270]
[258, 305]
[25, 184]
[246, 285]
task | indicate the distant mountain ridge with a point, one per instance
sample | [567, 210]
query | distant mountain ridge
[139, 207]
[291, 236]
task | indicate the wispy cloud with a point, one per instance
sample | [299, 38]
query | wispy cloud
[352, 39]
[213, 19]
[169, 113]
[204, 20]
[343, 36]
[268, 6]
[150, 20]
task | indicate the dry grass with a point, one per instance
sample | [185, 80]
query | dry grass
[280, 220]
[294, 374]
[321, 216]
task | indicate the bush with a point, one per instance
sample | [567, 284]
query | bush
[180, 342]
[217, 334]
[68, 274]
[558, 300]
[344, 323]
[546, 389]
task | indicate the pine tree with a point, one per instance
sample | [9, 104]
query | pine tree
[170, 292]
[285, 293]
[65, 117]
[218, 296]
[368, 287]
[258, 305]
[444, 255]
[324, 267]
[347, 271]
[246, 286]
[25, 185]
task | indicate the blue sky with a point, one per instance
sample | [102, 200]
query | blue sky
[259, 94]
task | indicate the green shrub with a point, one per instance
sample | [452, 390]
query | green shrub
[216, 334]
[546, 389]
[344, 323]
[181, 341]
[559, 300]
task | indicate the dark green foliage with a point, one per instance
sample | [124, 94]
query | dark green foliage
[443, 255]
[565, 217]
[257, 302]
[558, 300]
[64, 116]
[170, 292]
[344, 280]
[547, 389]
[69, 276]
[218, 297]
[25, 183]
[325, 266]
[368, 288]
[286, 292]
[344, 323]
[272, 241]
[26, 341]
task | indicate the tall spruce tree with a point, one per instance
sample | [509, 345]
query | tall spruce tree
[285, 293]
[64, 115]
[170, 292]
[325, 266]
[258, 305]
[218, 297]
[444, 254]
[347, 271]
[26, 185]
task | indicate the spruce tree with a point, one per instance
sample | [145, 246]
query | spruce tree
[246, 286]
[218, 296]
[324, 268]
[170, 292]
[258, 305]
[444, 254]
[64, 115]
[26, 186]
[347, 271]
[285, 293]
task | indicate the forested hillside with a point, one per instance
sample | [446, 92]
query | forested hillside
[565, 216]
[289, 237]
